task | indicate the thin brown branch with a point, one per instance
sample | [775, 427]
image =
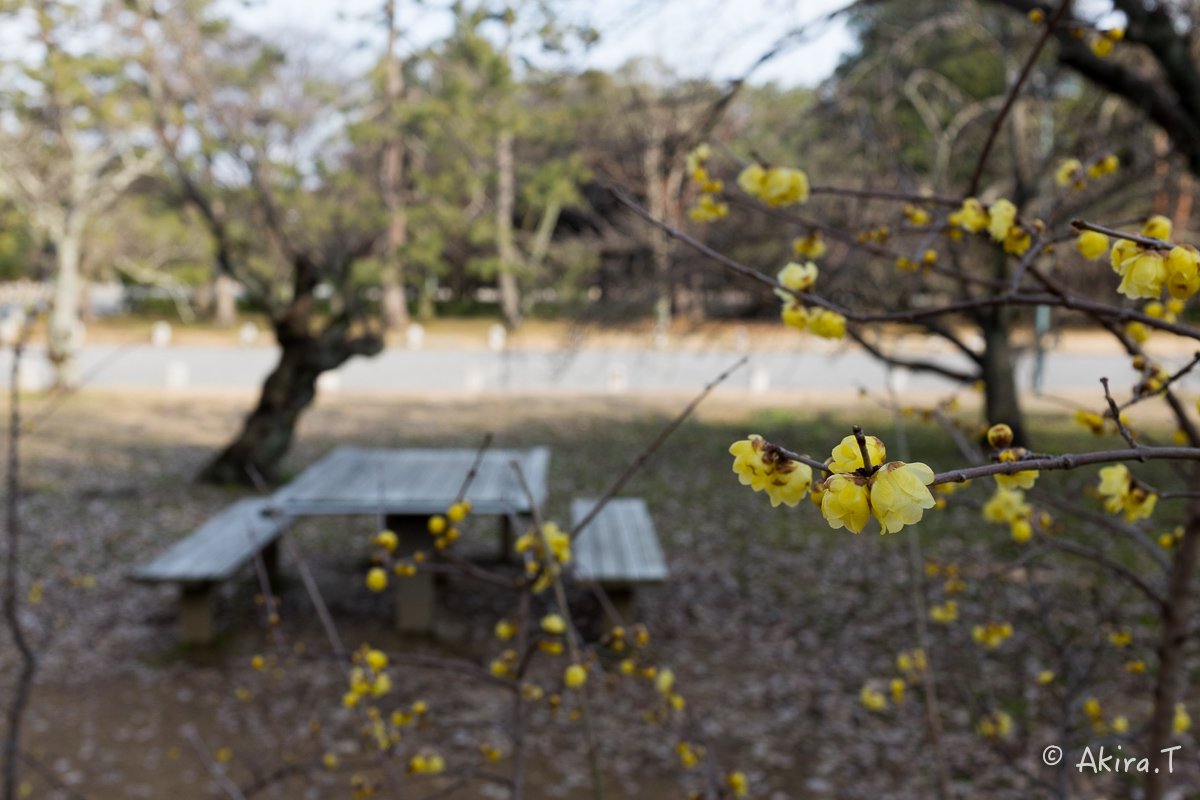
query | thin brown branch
[1144, 241]
[1070, 461]
[1115, 412]
[1011, 97]
[649, 449]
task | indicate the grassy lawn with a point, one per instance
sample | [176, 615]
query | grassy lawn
[772, 621]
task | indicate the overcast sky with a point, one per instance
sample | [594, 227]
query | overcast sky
[696, 38]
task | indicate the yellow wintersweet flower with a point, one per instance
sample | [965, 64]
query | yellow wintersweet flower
[457, 511]
[1143, 276]
[827, 324]
[1122, 255]
[797, 277]
[1045, 677]
[575, 676]
[1066, 173]
[811, 246]
[785, 186]
[405, 570]
[1017, 241]
[898, 494]
[1136, 667]
[904, 662]
[554, 624]
[708, 209]
[688, 755]
[1091, 421]
[737, 783]
[945, 613]
[258, 663]
[377, 579]
[784, 480]
[376, 659]
[664, 681]
[1102, 46]
[794, 314]
[1021, 529]
[386, 540]
[1006, 505]
[1120, 638]
[1122, 493]
[752, 179]
[1001, 216]
[1182, 721]
[847, 456]
[1091, 244]
[1157, 227]
[330, 761]
[1104, 166]
[846, 502]
[437, 524]
[917, 217]
[1016, 480]
[382, 685]
[897, 687]
[1091, 709]
[426, 764]
[1120, 725]
[993, 634]
[872, 699]
[1183, 272]
[974, 217]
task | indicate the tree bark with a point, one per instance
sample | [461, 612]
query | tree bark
[65, 316]
[1168, 685]
[1000, 392]
[225, 292]
[506, 249]
[395, 300]
[660, 248]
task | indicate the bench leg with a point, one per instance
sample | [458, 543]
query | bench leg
[270, 557]
[414, 594]
[196, 613]
[623, 602]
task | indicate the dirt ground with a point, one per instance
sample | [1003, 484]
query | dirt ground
[772, 622]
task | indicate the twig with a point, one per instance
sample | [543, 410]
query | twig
[1144, 241]
[1070, 461]
[560, 596]
[20, 697]
[867, 468]
[1115, 412]
[483, 448]
[649, 449]
[215, 771]
[1011, 97]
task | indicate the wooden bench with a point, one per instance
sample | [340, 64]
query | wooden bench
[212, 554]
[618, 550]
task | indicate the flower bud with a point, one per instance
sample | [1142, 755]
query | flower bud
[1000, 436]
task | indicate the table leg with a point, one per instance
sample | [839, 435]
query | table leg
[415, 593]
[196, 613]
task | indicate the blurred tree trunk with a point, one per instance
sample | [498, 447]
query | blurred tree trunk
[64, 318]
[290, 388]
[506, 249]
[660, 247]
[395, 301]
[225, 294]
[1002, 403]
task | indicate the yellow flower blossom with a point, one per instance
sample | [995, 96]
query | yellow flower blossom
[1006, 505]
[387, 540]
[898, 494]
[330, 761]
[1021, 530]
[1091, 244]
[575, 676]
[784, 480]
[1102, 46]
[872, 699]
[1122, 255]
[1183, 721]
[1135, 667]
[708, 209]
[974, 217]
[426, 764]
[847, 456]
[993, 634]
[811, 246]
[785, 186]
[1001, 216]
[1108, 164]
[917, 217]
[1016, 480]
[897, 687]
[827, 324]
[554, 624]
[1120, 724]
[1144, 276]
[405, 570]
[846, 502]
[376, 659]
[737, 783]
[1122, 493]
[382, 685]
[377, 579]
[689, 756]
[437, 524]
[1120, 638]
[1183, 272]
[1017, 241]
[1157, 227]
[945, 613]
[1137, 331]
[797, 277]
[1065, 174]
[997, 725]
[1045, 677]
[457, 511]
[794, 314]
[1092, 421]
[664, 681]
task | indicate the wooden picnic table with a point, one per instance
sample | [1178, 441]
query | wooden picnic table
[406, 487]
